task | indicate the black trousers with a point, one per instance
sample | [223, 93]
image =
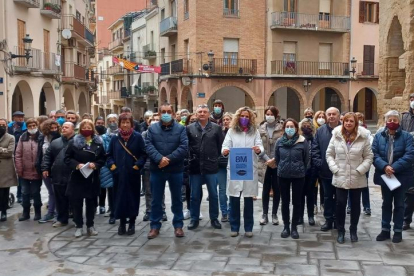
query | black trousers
[4, 199]
[308, 194]
[341, 202]
[297, 188]
[62, 203]
[408, 208]
[270, 182]
[77, 205]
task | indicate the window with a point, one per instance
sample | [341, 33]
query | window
[230, 51]
[231, 8]
[289, 57]
[325, 58]
[324, 10]
[368, 12]
[21, 33]
[113, 36]
[290, 5]
[173, 52]
[163, 55]
[162, 14]
[369, 60]
[173, 9]
[46, 48]
[187, 48]
[78, 16]
[186, 9]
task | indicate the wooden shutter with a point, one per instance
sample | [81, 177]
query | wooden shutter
[369, 60]
[325, 6]
[46, 48]
[362, 11]
[377, 16]
[21, 32]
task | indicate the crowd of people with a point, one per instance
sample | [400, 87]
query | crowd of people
[102, 162]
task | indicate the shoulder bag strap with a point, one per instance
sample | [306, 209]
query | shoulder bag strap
[128, 151]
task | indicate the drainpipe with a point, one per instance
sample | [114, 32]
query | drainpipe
[6, 76]
[349, 58]
[266, 50]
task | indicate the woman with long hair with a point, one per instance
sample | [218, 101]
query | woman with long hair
[349, 157]
[243, 134]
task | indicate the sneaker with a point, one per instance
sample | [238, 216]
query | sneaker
[201, 216]
[47, 218]
[367, 212]
[275, 219]
[234, 234]
[224, 218]
[264, 219]
[59, 224]
[101, 210]
[315, 211]
[164, 217]
[186, 214]
[91, 231]
[78, 232]
[348, 211]
[146, 217]
[248, 234]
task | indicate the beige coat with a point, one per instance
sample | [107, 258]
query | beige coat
[349, 165]
[7, 171]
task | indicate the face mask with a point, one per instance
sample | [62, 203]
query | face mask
[166, 118]
[309, 117]
[154, 122]
[244, 122]
[2, 130]
[412, 104]
[32, 131]
[113, 126]
[320, 121]
[54, 134]
[86, 132]
[184, 118]
[20, 124]
[306, 130]
[217, 110]
[270, 119]
[393, 126]
[290, 131]
[100, 129]
[60, 121]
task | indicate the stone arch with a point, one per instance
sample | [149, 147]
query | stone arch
[163, 95]
[174, 98]
[83, 104]
[365, 101]
[22, 99]
[47, 100]
[252, 97]
[68, 100]
[233, 97]
[186, 101]
[287, 108]
[341, 106]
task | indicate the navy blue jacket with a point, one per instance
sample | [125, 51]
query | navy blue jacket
[16, 132]
[403, 156]
[105, 174]
[292, 160]
[319, 147]
[167, 141]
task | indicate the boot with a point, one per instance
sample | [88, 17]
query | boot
[327, 226]
[354, 236]
[26, 214]
[286, 232]
[38, 214]
[3, 216]
[384, 235]
[294, 234]
[397, 238]
[341, 237]
[122, 228]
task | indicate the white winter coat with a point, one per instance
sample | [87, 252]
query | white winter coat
[349, 166]
[239, 139]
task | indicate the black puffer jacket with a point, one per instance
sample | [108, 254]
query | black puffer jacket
[53, 161]
[39, 157]
[292, 160]
[205, 148]
[319, 147]
[407, 121]
[223, 160]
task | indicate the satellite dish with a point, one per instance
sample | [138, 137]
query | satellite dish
[186, 81]
[66, 33]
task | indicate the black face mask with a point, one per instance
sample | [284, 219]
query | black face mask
[54, 134]
[2, 130]
[100, 129]
[309, 117]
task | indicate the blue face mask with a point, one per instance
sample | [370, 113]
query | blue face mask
[60, 121]
[166, 118]
[217, 110]
[290, 131]
[184, 118]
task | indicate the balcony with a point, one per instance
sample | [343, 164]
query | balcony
[114, 95]
[73, 72]
[234, 66]
[310, 69]
[51, 9]
[117, 43]
[115, 70]
[165, 69]
[367, 70]
[49, 66]
[311, 22]
[89, 36]
[149, 52]
[181, 66]
[28, 3]
[168, 26]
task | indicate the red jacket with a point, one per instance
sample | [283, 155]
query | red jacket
[25, 157]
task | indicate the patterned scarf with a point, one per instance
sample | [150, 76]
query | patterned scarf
[125, 134]
[289, 142]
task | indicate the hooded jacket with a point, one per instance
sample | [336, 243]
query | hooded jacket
[26, 156]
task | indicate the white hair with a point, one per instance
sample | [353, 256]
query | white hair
[111, 116]
[334, 108]
[148, 114]
[392, 113]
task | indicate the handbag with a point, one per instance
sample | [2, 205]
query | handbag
[128, 151]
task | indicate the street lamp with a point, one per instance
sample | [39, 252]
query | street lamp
[306, 85]
[27, 48]
[210, 59]
[353, 66]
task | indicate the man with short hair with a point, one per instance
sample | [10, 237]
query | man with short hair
[145, 124]
[52, 115]
[319, 147]
[128, 110]
[60, 116]
[184, 115]
[167, 146]
[204, 139]
[53, 166]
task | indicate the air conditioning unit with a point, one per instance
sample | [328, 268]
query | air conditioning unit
[72, 42]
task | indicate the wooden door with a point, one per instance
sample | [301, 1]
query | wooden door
[368, 104]
[21, 33]
[369, 60]
[46, 50]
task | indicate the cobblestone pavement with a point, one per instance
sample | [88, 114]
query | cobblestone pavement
[29, 248]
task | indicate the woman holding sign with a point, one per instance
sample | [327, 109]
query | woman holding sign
[292, 153]
[85, 148]
[349, 157]
[393, 156]
[243, 136]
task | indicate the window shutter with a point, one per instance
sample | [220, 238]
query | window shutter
[289, 47]
[231, 45]
[362, 7]
[377, 15]
[325, 6]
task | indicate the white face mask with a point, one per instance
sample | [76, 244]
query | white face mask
[270, 119]
[320, 121]
[32, 131]
[154, 122]
[412, 104]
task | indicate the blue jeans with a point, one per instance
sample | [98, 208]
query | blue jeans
[388, 197]
[222, 186]
[31, 190]
[196, 182]
[235, 214]
[329, 199]
[175, 181]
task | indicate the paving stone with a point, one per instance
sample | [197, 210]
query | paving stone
[121, 260]
[158, 264]
[339, 272]
[358, 254]
[249, 269]
[398, 258]
[316, 246]
[63, 252]
[288, 269]
[220, 259]
[77, 244]
[284, 259]
[243, 261]
[208, 266]
[322, 255]
[110, 242]
[231, 253]
[183, 265]
[87, 252]
[169, 257]
[256, 240]
[381, 270]
[56, 245]
[100, 260]
[122, 249]
[78, 260]
[153, 249]
[179, 248]
[339, 265]
[197, 256]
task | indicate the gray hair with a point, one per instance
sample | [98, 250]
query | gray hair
[392, 113]
[334, 108]
[112, 116]
[204, 106]
[184, 111]
[309, 109]
[148, 114]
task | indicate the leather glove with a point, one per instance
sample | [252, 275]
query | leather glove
[113, 167]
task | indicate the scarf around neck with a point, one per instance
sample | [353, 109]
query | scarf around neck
[125, 134]
[289, 142]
